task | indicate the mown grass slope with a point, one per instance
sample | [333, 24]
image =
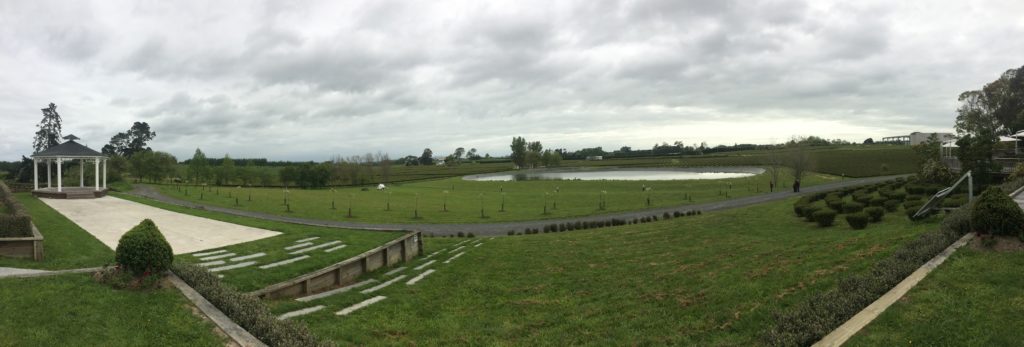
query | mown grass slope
[65, 244]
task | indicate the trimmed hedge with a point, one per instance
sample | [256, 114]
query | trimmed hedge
[807, 322]
[852, 207]
[996, 213]
[825, 217]
[247, 310]
[892, 205]
[875, 213]
[858, 220]
[18, 223]
[144, 250]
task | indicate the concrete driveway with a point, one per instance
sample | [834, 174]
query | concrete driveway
[108, 218]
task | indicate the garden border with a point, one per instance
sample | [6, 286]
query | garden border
[347, 271]
[223, 322]
[23, 247]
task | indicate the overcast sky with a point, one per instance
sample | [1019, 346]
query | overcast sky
[310, 80]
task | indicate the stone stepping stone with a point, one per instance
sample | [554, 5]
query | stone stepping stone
[457, 249]
[233, 266]
[283, 262]
[418, 278]
[335, 248]
[435, 253]
[211, 263]
[478, 245]
[335, 291]
[453, 258]
[307, 239]
[360, 305]
[383, 285]
[322, 245]
[219, 256]
[247, 257]
[209, 253]
[397, 270]
[424, 265]
[300, 245]
[301, 312]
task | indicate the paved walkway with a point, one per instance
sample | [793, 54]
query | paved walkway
[108, 218]
[16, 272]
[500, 229]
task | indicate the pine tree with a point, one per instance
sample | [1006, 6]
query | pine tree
[49, 131]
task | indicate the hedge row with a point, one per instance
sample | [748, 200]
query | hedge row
[807, 322]
[583, 225]
[247, 310]
[17, 222]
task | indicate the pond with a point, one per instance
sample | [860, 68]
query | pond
[658, 174]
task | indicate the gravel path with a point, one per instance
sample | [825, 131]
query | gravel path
[501, 229]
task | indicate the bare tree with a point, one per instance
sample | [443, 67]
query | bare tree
[799, 163]
[384, 161]
[776, 164]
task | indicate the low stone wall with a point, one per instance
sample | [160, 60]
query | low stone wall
[347, 272]
[23, 247]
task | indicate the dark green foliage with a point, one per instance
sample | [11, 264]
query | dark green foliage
[899, 196]
[891, 205]
[877, 201]
[809, 212]
[17, 223]
[858, 220]
[851, 207]
[875, 213]
[825, 217]
[912, 208]
[807, 322]
[143, 249]
[836, 204]
[863, 199]
[247, 310]
[996, 213]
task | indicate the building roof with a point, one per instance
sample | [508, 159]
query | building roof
[68, 149]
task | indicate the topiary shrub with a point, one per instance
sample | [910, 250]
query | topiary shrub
[875, 213]
[996, 213]
[857, 221]
[143, 250]
[852, 206]
[911, 209]
[891, 205]
[899, 196]
[809, 212]
[879, 201]
[825, 217]
[836, 204]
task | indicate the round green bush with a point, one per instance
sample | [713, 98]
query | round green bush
[798, 208]
[879, 201]
[857, 220]
[851, 207]
[825, 217]
[892, 205]
[911, 208]
[875, 213]
[863, 199]
[996, 213]
[809, 212]
[836, 204]
[144, 249]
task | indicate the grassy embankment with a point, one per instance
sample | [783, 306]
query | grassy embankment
[704, 280]
[65, 245]
[976, 298]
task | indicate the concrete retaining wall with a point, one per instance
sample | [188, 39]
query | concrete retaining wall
[23, 247]
[347, 272]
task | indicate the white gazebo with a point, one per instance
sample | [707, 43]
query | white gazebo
[69, 151]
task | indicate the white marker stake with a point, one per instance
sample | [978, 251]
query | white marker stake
[283, 262]
[332, 249]
[425, 265]
[360, 305]
[233, 266]
[418, 278]
[457, 249]
[304, 244]
[307, 239]
[383, 285]
[322, 245]
[397, 270]
[301, 312]
[209, 253]
[211, 263]
[478, 245]
[453, 258]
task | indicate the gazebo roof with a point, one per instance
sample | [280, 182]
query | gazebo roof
[68, 149]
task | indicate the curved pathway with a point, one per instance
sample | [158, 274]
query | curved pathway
[500, 229]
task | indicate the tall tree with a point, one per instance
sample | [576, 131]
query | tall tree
[1006, 95]
[226, 172]
[49, 131]
[799, 162]
[427, 158]
[519, 151]
[130, 142]
[199, 167]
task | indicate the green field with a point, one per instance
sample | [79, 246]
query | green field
[976, 298]
[702, 280]
[252, 278]
[75, 310]
[65, 245]
[455, 200]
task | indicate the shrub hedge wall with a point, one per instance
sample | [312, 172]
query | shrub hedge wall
[17, 222]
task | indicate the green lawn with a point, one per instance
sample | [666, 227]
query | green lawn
[74, 310]
[523, 200]
[252, 278]
[975, 298]
[65, 245]
[704, 280]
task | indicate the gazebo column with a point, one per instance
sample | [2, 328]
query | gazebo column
[96, 164]
[104, 173]
[81, 173]
[60, 176]
[49, 163]
[35, 174]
